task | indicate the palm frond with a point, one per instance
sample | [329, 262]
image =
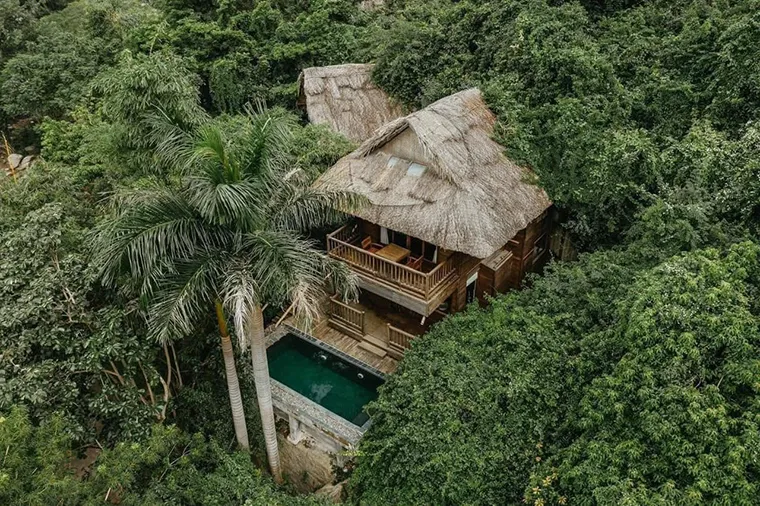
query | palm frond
[280, 261]
[236, 203]
[157, 226]
[340, 278]
[241, 295]
[183, 298]
[210, 155]
[306, 301]
[173, 143]
[294, 208]
[264, 148]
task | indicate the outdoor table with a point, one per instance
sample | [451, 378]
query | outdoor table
[393, 252]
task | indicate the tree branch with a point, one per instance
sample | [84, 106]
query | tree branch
[147, 384]
[176, 363]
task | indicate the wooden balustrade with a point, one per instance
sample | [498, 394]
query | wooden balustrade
[345, 234]
[419, 283]
[439, 274]
[352, 320]
[398, 340]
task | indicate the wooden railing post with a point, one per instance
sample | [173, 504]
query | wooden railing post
[398, 341]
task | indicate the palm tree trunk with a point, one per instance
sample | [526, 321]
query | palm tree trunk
[233, 385]
[264, 389]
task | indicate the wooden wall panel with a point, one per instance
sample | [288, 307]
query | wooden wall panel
[370, 229]
[486, 284]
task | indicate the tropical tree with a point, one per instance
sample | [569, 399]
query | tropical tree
[229, 236]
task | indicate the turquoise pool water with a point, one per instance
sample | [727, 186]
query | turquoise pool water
[326, 379]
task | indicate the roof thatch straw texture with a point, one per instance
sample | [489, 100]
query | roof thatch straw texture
[345, 98]
[469, 197]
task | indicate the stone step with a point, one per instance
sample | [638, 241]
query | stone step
[366, 346]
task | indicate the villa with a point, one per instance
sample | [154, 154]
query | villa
[450, 220]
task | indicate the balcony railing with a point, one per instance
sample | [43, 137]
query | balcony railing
[421, 284]
[398, 341]
[347, 317]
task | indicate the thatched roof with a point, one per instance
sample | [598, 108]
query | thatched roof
[344, 97]
[467, 196]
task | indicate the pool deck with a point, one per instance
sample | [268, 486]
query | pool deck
[348, 345]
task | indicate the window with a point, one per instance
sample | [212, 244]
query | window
[393, 161]
[415, 169]
[472, 282]
[399, 238]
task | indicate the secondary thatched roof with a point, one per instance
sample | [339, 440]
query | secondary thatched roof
[469, 197]
[345, 98]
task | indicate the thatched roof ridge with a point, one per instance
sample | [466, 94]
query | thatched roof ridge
[471, 198]
[345, 98]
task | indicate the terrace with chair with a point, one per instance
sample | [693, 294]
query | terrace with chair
[401, 268]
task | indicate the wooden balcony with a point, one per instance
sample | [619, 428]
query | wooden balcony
[428, 289]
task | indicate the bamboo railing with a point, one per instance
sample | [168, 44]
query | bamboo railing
[418, 283]
[398, 339]
[347, 316]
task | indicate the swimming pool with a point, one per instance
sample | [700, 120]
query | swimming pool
[323, 377]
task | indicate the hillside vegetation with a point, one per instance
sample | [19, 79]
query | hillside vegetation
[629, 376]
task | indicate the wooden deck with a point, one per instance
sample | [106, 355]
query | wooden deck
[348, 345]
[373, 331]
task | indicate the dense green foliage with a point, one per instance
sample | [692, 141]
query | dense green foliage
[169, 467]
[594, 104]
[74, 353]
[628, 377]
[65, 51]
[609, 381]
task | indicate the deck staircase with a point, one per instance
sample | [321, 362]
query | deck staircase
[374, 345]
[368, 343]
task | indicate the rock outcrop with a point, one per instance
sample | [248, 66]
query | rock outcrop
[18, 163]
[335, 493]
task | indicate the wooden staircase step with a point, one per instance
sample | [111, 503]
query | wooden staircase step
[376, 341]
[366, 346]
[338, 325]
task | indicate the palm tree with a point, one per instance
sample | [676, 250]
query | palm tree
[228, 235]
